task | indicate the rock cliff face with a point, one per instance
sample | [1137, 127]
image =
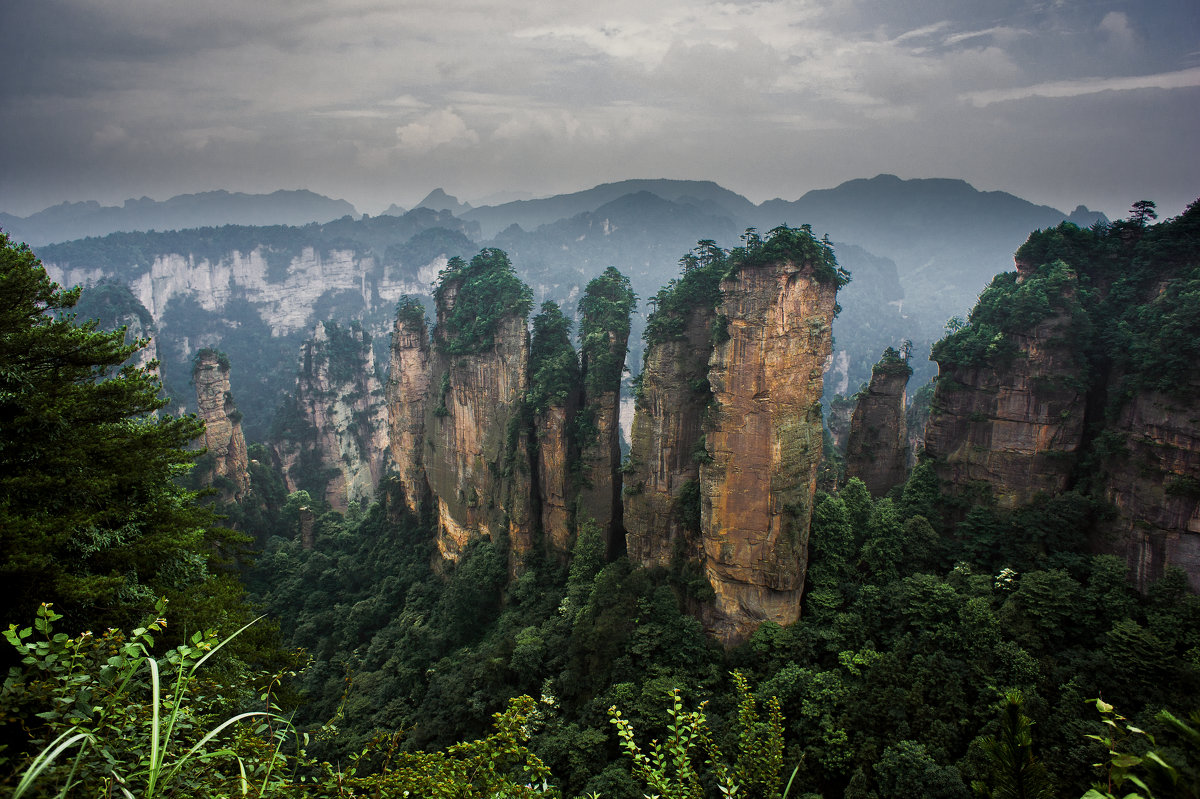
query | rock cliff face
[556, 488]
[662, 478]
[763, 439]
[605, 309]
[1154, 483]
[335, 433]
[727, 434]
[226, 463]
[477, 451]
[1016, 422]
[877, 447]
[407, 401]
[1077, 373]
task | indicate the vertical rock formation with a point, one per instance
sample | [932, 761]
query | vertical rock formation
[334, 429]
[226, 463]
[1010, 399]
[877, 447]
[661, 484]
[552, 401]
[477, 449]
[727, 434]
[764, 437]
[308, 534]
[607, 303]
[555, 483]
[407, 398]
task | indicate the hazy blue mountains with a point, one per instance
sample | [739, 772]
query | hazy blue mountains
[69, 221]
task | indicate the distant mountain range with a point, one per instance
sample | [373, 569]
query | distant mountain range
[68, 221]
[919, 251]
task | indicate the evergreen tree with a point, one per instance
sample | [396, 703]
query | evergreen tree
[91, 515]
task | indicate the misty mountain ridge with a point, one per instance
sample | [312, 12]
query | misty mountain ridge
[920, 250]
[532, 214]
[68, 221]
[439, 200]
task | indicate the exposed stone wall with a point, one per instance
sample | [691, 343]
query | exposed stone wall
[877, 446]
[477, 454]
[763, 439]
[223, 436]
[1016, 426]
[1153, 481]
[407, 398]
[664, 456]
[341, 425]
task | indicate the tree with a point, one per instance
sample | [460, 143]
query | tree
[1143, 211]
[92, 517]
[1013, 770]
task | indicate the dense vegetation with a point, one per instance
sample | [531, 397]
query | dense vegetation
[927, 658]
[605, 311]
[1127, 292]
[485, 290]
[908, 645]
[1013, 304]
[91, 517]
[707, 265]
[553, 365]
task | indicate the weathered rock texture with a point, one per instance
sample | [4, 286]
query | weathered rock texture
[1155, 486]
[477, 452]
[1014, 424]
[665, 449]
[1077, 373]
[556, 488]
[407, 400]
[605, 309]
[336, 435]
[600, 469]
[841, 411]
[226, 463]
[877, 446]
[763, 439]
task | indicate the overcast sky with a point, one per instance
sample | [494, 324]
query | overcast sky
[1058, 101]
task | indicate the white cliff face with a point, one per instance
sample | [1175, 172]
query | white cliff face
[286, 306]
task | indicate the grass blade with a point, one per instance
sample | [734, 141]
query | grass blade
[46, 758]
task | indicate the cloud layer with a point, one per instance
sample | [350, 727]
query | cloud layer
[379, 102]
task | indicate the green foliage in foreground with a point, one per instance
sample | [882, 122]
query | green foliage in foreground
[111, 719]
[127, 723]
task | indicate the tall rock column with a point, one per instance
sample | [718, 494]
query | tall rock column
[764, 434]
[877, 448]
[607, 303]
[407, 397]
[477, 451]
[335, 425]
[661, 483]
[552, 400]
[227, 462]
